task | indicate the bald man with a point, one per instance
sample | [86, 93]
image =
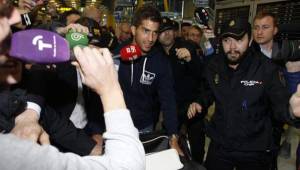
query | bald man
[93, 13]
[124, 32]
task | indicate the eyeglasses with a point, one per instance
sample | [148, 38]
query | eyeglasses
[263, 27]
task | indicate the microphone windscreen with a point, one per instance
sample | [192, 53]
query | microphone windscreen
[39, 46]
[77, 38]
[130, 52]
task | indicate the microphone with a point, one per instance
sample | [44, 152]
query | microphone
[45, 47]
[39, 46]
[77, 38]
[129, 53]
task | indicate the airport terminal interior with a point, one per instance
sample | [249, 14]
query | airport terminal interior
[109, 26]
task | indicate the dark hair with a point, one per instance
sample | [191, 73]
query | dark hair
[64, 15]
[144, 13]
[198, 29]
[264, 13]
[185, 24]
[92, 25]
[6, 9]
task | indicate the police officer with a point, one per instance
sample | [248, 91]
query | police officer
[246, 87]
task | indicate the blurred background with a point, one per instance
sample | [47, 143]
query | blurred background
[116, 11]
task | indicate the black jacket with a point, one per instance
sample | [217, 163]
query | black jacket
[62, 132]
[187, 75]
[150, 90]
[59, 88]
[245, 99]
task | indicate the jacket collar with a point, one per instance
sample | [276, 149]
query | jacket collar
[222, 64]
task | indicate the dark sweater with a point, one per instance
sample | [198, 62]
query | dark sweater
[146, 95]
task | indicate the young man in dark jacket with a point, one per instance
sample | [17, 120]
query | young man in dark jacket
[147, 82]
[246, 87]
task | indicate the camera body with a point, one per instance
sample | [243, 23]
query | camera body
[289, 48]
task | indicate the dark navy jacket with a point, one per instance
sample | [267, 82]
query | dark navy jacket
[148, 88]
[62, 132]
[245, 100]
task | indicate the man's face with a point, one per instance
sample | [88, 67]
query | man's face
[167, 38]
[235, 49]
[10, 69]
[194, 35]
[264, 30]
[125, 32]
[93, 13]
[184, 32]
[145, 35]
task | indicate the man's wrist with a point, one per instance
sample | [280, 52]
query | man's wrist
[35, 107]
[113, 100]
[27, 115]
[173, 136]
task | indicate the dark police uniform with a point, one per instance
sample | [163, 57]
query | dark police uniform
[241, 128]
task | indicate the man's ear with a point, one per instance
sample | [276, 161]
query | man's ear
[250, 40]
[275, 31]
[133, 30]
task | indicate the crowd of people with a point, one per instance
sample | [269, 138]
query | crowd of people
[89, 113]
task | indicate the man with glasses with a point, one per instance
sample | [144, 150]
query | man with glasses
[265, 28]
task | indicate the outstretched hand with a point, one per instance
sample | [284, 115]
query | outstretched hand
[98, 72]
[295, 102]
[28, 127]
[193, 109]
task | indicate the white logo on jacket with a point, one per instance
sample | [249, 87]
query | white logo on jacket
[251, 82]
[147, 78]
